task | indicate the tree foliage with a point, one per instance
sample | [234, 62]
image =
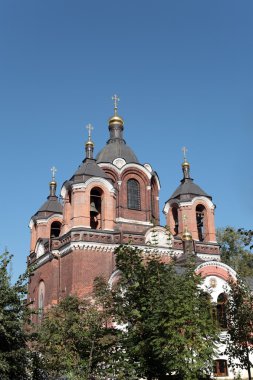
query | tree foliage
[170, 331]
[13, 314]
[239, 313]
[236, 248]
[76, 339]
[154, 323]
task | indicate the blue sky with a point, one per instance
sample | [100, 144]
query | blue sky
[183, 71]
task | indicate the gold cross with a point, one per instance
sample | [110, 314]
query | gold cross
[90, 128]
[53, 170]
[116, 99]
[185, 218]
[184, 150]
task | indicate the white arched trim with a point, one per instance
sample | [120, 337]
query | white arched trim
[57, 217]
[201, 199]
[217, 264]
[157, 180]
[113, 276]
[96, 180]
[127, 166]
[63, 191]
[39, 248]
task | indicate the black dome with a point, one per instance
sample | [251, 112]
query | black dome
[116, 148]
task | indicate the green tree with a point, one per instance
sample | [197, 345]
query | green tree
[14, 313]
[235, 249]
[77, 340]
[239, 313]
[170, 331]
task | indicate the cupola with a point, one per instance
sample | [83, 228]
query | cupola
[116, 146]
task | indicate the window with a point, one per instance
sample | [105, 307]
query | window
[220, 368]
[221, 310]
[175, 218]
[95, 208]
[41, 299]
[133, 194]
[200, 219]
[55, 229]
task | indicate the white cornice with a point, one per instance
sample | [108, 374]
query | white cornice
[132, 221]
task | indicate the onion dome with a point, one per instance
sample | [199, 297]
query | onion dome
[52, 205]
[116, 146]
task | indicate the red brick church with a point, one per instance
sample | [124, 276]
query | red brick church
[114, 199]
[110, 200]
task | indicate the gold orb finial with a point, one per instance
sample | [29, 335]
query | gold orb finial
[187, 236]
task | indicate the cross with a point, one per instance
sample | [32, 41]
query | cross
[116, 99]
[90, 128]
[185, 219]
[53, 170]
[184, 150]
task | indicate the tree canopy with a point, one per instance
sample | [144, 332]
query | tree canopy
[236, 249]
[155, 323]
[170, 330]
[13, 315]
[239, 314]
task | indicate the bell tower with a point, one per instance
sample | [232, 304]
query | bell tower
[190, 206]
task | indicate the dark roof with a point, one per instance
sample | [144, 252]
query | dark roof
[89, 168]
[116, 148]
[189, 189]
[51, 206]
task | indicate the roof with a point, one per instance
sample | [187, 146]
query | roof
[189, 188]
[116, 148]
[89, 168]
[51, 206]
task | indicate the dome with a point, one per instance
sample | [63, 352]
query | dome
[116, 149]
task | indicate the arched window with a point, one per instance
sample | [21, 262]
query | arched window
[95, 208]
[175, 218]
[221, 310]
[41, 299]
[200, 220]
[133, 194]
[55, 229]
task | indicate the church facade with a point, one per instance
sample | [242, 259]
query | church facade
[114, 199]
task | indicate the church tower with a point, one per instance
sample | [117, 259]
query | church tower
[190, 210]
[110, 200]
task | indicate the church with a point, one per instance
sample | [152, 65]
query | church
[113, 199]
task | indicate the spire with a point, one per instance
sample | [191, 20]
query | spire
[185, 165]
[89, 146]
[53, 183]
